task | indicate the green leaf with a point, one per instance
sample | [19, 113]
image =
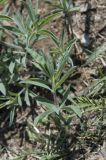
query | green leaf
[13, 29]
[61, 91]
[18, 19]
[49, 66]
[19, 100]
[5, 18]
[61, 66]
[48, 104]
[9, 45]
[27, 100]
[46, 20]
[65, 76]
[2, 88]
[39, 61]
[62, 37]
[12, 114]
[29, 7]
[96, 53]
[41, 117]
[65, 96]
[37, 82]
[75, 109]
[11, 67]
[36, 56]
[69, 44]
[52, 36]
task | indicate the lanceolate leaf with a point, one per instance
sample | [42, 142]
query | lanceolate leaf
[39, 61]
[42, 116]
[27, 100]
[36, 56]
[96, 53]
[30, 9]
[48, 104]
[61, 66]
[5, 18]
[74, 108]
[18, 19]
[65, 76]
[65, 96]
[37, 82]
[2, 88]
[13, 29]
[11, 67]
[46, 20]
[52, 36]
[19, 100]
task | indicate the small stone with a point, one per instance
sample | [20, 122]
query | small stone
[83, 8]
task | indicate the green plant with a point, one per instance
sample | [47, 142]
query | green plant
[31, 76]
[65, 8]
[25, 31]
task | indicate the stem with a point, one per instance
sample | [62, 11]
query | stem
[54, 91]
[68, 25]
[55, 98]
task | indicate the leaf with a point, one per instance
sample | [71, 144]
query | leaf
[24, 60]
[49, 66]
[5, 18]
[52, 36]
[96, 53]
[27, 100]
[61, 91]
[65, 96]
[13, 29]
[46, 20]
[39, 61]
[2, 88]
[37, 82]
[18, 19]
[75, 109]
[48, 104]
[65, 76]
[94, 87]
[19, 101]
[62, 37]
[12, 114]
[11, 67]
[29, 7]
[36, 56]
[69, 44]
[61, 66]
[9, 45]
[42, 116]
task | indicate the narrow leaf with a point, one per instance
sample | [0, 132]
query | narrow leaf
[95, 54]
[4, 17]
[65, 96]
[37, 82]
[48, 104]
[42, 116]
[2, 88]
[11, 67]
[65, 76]
[75, 109]
[27, 100]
